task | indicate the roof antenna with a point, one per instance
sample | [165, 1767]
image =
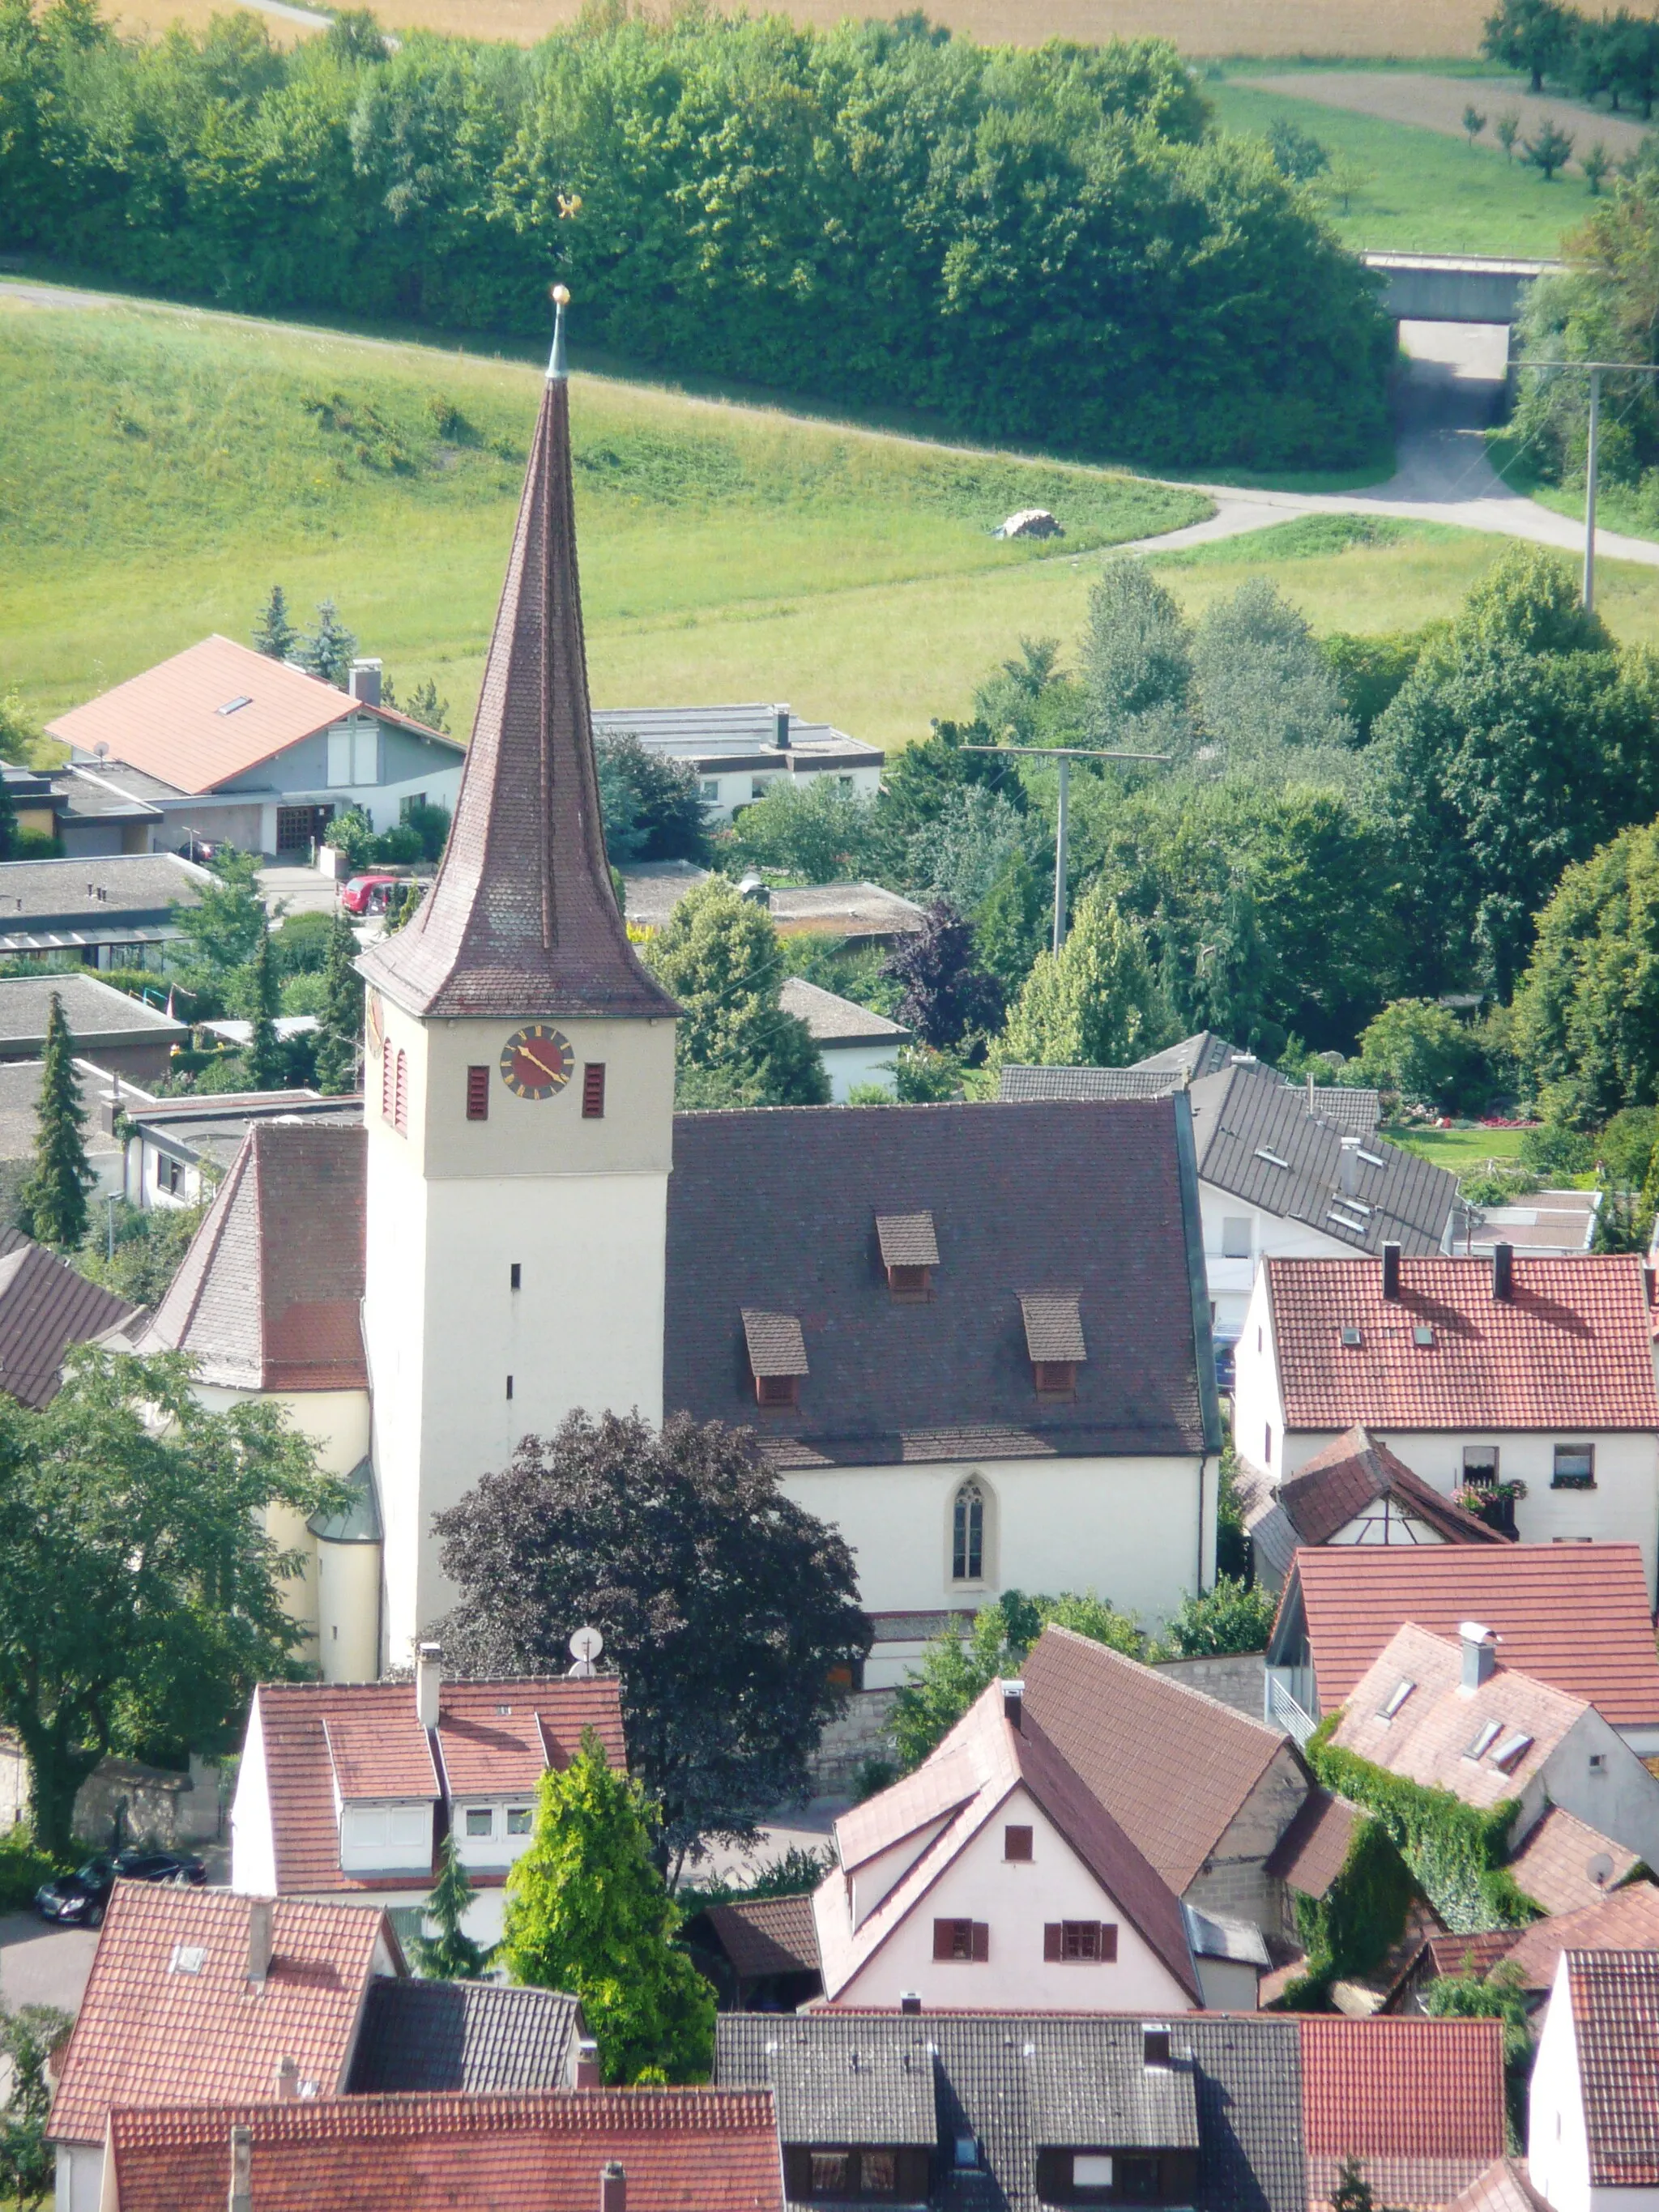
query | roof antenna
[557, 371]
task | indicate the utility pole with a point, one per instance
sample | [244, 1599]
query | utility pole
[1064, 755]
[1596, 370]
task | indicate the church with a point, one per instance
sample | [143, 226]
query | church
[976, 1337]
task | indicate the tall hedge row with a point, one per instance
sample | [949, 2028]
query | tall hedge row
[1048, 246]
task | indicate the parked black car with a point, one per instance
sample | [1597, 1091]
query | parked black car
[78, 1899]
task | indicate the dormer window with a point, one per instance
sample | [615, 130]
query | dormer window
[777, 1356]
[1054, 1341]
[909, 1254]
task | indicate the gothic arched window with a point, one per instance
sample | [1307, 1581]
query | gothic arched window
[968, 1535]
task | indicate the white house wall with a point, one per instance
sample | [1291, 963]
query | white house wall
[1558, 2140]
[1015, 1899]
[1271, 1235]
[252, 1835]
[847, 1065]
[1137, 1530]
[1619, 1798]
[727, 792]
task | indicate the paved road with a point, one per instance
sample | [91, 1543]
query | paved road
[43, 1966]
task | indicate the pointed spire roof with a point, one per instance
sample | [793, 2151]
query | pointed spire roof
[522, 922]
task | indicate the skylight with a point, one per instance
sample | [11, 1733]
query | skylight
[234, 706]
[1396, 1698]
[1484, 1736]
[1272, 1158]
[1351, 1335]
[1423, 1333]
[1345, 1221]
[188, 1957]
[1510, 1752]
[1372, 1159]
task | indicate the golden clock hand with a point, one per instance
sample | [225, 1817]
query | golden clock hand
[529, 1055]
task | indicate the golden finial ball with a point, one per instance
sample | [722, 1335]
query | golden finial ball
[561, 296]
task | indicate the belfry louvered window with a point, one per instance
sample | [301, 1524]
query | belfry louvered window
[400, 1096]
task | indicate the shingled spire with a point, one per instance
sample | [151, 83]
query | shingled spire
[522, 921]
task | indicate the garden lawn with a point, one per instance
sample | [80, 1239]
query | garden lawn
[1463, 1152]
[1422, 192]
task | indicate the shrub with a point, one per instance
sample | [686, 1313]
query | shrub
[1228, 1618]
[1362, 1915]
[23, 1868]
[1554, 1152]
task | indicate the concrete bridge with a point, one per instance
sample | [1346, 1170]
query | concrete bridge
[1442, 287]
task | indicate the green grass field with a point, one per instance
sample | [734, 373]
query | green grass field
[1425, 193]
[160, 469]
[1464, 1152]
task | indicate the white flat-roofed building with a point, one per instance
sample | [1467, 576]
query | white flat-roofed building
[738, 752]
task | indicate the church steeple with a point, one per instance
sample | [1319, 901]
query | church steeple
[522, 921]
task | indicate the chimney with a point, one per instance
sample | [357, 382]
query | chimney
[287, 2081]
[1503, 1273]
[1013, 1706]
[1348, 1170]
[588, 2063]
[260, 1912]
[241, 2170]
[429, 1678]
[781, 728]
[909, 2001]
[1391, 1270]
[364, 682]
[1154, 2047]
[613, 2186]
[1479, 1653]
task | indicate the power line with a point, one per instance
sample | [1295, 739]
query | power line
[1596, 370]
[1064, 755]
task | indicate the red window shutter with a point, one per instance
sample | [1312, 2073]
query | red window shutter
[944, 1939]
[400, 1101]
[594, 1090]
[981, 1942]
[1017, 1844]
[1051, 1939]
[1109, 1940]
[477, 1094]
[388, 1077]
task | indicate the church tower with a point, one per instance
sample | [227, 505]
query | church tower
[520, 1089]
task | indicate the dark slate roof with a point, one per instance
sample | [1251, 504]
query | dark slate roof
[1203, 1053]
[522, 921]
[1023, 2083]
[775, 1211]
[1243, 1115]
[480, 2036]
[1021, 1085]
[46, 1306]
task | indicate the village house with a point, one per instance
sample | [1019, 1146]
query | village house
[1593, 2124]
[1531, 1378]
[125, 1037]
[228, 746]
[1355, 1491]
[201, 1994]
[104, 913]
[977, 1343]
[1626, 1920]
[957, 2110]
[347, 1789]
[1451, 1715]
[738, 753]
[855, 1045]
[651, 2150]
[1284, 1170]
[178, 1150]
[1575, 1616]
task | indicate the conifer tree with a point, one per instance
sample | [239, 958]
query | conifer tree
[586, 1912]
[1352, 2192]
[54, 1199]
[274, 634]
[450, 1955]
[327, 651]
[264, 1053]
[342, 1022]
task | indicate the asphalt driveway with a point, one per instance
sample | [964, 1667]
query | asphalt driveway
[40, 1964]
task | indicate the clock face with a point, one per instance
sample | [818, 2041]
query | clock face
[536, 1061]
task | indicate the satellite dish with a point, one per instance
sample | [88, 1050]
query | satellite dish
[100, 751]
[1600, 1869]
[586, 1646]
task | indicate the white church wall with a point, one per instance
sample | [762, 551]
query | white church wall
[1136, 1531]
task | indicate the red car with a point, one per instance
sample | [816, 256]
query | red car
[368, 894]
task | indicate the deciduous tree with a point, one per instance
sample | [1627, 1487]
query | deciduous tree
[586, 1912]
[724, 1605]
[28, 2162]
[735, 1045]
[945, 996]
[1534, 35]
[1095, 1003]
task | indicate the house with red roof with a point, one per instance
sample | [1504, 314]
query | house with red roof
[224, 744]
[1593, 2125]
[1418, 2102]
[610, 2150]
[347, 1789]
[1626, 1920]
[1575, 1616]
[1530, 1378]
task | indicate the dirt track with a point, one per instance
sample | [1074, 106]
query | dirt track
[1436, 103]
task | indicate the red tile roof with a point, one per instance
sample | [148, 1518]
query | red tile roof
[1314, 1849]
[1615, 2017]
[1403, 2088]
[683, 2150]
[1571, 1349]
[1564, 1865]
[169, 2015]
[1574, 1615]
[1626, 1921]
[168, 722]
[387, 1745]
[257, 1307]
[1505, 2186]
[1338, 1484]
[1404, 2185]
[1171, 1765]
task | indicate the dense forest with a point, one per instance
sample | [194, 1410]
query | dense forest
[1051, 245]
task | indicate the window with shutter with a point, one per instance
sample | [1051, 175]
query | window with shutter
[388, 1084]
[400, 1097]
[1017, 1844]
[366, 754]
[1109, 1941]
[965, 1941]
[594, 1090]
[982, 1948]
[339, 758]
[477, 1094]
[1051, 1937]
